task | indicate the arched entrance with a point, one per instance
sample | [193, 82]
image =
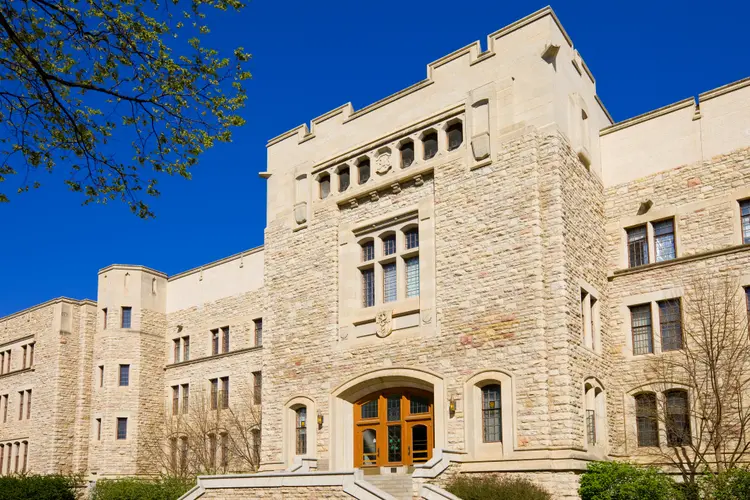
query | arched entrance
[393, 427]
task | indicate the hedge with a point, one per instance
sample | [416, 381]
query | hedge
[141, 489]
[496, 488]
[34, 487]
[623, 481]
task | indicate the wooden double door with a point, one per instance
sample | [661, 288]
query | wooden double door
[393, 427]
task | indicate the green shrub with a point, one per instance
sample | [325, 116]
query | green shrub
[496, 488]
[141, 489]
[33, 487]
[623, 481]
[730, 485]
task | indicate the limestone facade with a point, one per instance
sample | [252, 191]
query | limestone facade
[519, 277]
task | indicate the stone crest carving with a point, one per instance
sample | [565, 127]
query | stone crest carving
[383, 323]
[480, 146]
[300, 212]
[383, 163]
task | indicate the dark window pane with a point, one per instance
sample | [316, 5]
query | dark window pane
[491, 414]
[637, 246]
[394, 408]
[364, 171]
[455, 136]
[368, 251]
[646, 422]
[370, 409]
[325, 186]
[126, 317]
[670, 320]
[389, 245]
[225, 339]
[344, 179]
[368, 287]
[257, 387]
[677, 418]
[407, 154]
[664, 240]
[418, 405]
[122, 428]
[640, 320]
[302, 430]
[412, 238]
[430, 144]
[124, 375]
[394, 443]
[258, 332]
[745, 219]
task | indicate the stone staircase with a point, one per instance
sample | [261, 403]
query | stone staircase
[398, 485]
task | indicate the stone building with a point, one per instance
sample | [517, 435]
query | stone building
[459, 278]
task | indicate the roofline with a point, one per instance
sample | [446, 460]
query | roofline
[67, 300]
[131, 267]
[724, 89]
[685, 103]
[216, 263]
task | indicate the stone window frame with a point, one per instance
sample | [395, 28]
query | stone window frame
[595, 399]
[649, 220]
[98, 425]
[357, 323]
[591, 321]
[337, 172]
[651, 298]
[445, 129]
[473, 429]
[120, 377]
[119, 419]
[289, 429]
[659, 389]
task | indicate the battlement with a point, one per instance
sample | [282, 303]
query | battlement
[543, 25]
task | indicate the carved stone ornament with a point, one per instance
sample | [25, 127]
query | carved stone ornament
[480, 146]
[427, 316]
[384, 323]
[300, 212]
[383, 163]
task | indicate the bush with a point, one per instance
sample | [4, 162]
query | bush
[730, 485]
[33, 487]
[496, 488]
[623, 481]
[141, 489]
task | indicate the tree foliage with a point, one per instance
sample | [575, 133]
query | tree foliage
[623, 481]
[80, 79]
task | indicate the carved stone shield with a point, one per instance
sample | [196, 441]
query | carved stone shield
[383, 163]
[383, 323]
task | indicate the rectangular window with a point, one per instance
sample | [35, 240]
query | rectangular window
[412, 277]
[176, 349]
[647, 424]
[747, 301]
[491, 414]
[5, 408]
[256, 445]
[225, 450]
[257, 387]
[101, 375]
[212, 444]
[389, 282]
[31, 354]
[185, 398]
[215, 342]
[745, 220]
[20, 405]
[186, 348]
[122, 428]
[670, 320]
[225, 392]
[98, 429]
[368, 251]
[104, 318]
[225, 339]
[23, 362]
[258, 332]
[175, 399]
[368, 287]
[677, 418]
[389, 245]
[637, 246]
[412, 239]
[7, 357]
[127, 317]
[640, 322]
[664, 240]
[28, 404]
[124, 375]
[214, 393]
[2, 363]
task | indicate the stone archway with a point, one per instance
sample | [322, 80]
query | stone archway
[344, 397]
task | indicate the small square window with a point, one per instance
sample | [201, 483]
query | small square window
[127, 317]
[124, 375]
[122, 428]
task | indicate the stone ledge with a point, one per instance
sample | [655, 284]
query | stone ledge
[214, 356]
[16, 372]
[679, 260]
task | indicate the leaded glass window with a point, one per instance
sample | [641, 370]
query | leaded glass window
[591, 426]
[370, 409]
[412, 277]
[368, 287]
[418, 405]
[122, 428]
[389, 245]
[637, 246]
[301, 427]
[412, 238]
[394, 443]
[640, 321]
[670, 320]
[664, 240]
[394, 408]
[491, 414]
[646, 421]
[745, 219]
[368, 251]
[389, 282]
[677, 418]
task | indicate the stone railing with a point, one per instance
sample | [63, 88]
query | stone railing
[439, 463]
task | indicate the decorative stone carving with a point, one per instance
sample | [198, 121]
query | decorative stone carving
[374, 196]
[383, 323]
[427, 316]
[396, 187]
[383, 163]
[343, 333]
[300, 212]
[418, 181]
[353, 203]
[480, 146]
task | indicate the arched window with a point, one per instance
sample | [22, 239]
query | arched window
[407, 153]
[18, 456]
[594, 412]
[492, 428]
[301, 431]
[455, 133]
[646, 419]
[430, 144]
[677, 418]
[343, 179]
[411, 238]
[368, 250]
[324, 181]
[363, 168]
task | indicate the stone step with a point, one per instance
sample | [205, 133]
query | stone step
[398, 485]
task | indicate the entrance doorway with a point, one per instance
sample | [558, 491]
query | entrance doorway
[393, 427]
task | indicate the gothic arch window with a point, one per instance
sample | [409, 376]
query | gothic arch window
[595, 412]
[490, 415]
[300, 428]
[455, 134]
[646, 417]
[429, 144]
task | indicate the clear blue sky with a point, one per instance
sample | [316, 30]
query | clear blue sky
[309, 57]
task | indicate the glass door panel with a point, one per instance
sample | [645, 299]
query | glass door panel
[369, 447]
[394, 443]
[420, 443]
